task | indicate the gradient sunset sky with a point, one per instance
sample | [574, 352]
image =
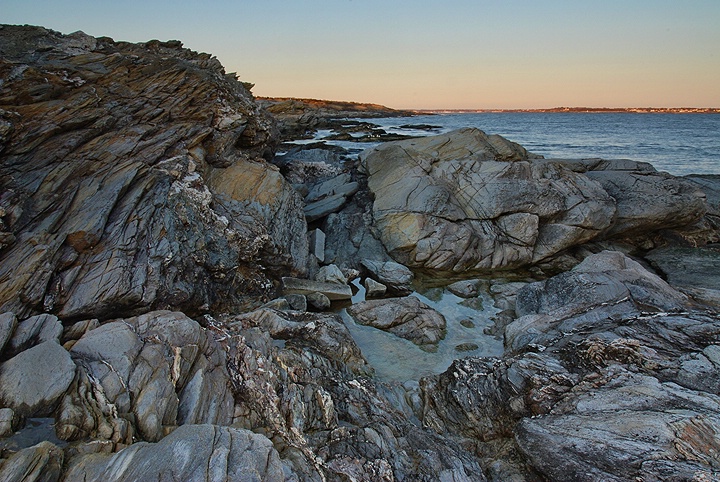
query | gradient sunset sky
[431, 54]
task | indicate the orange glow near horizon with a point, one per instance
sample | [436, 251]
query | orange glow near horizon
[422, 54]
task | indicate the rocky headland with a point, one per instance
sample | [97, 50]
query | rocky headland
[179, 295]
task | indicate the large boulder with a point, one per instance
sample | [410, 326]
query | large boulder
[604, 284]
[134, 177]
[646, 200]
[467, 201]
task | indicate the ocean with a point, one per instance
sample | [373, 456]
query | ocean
[680, 144]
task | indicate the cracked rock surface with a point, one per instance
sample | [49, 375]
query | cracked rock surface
[132, 177]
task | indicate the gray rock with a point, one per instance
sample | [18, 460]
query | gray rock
[329, 187]
[32, 382]
[331, 274]
[317, 244]
[350, 237]
[467, 201]
[319, 301]
[604, 284]
[395, 276]
[42, 463]
[297, 302]
[8, 322]
[374, 289]
[122, 207]
[34, 330]
[162, 367]
[607, 355]
[333, 291]
[191, 452]
[407, 318]
[320, 209]
[646, 427]
[695, 271]
[650, 201]
[465, 288]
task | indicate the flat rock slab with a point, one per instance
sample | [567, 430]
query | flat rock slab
[407, 318]
[333, 291]
[319, 209]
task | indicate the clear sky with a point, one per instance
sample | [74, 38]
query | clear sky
[430, 54]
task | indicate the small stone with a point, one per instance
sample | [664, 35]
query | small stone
[317, 244]
[374, 289]
[319, 209]
[297, 302]
[331, 274]
[393, 275]
[318, 301]
[7, 417]
[465, 288]
[473, 303]
[333, 291]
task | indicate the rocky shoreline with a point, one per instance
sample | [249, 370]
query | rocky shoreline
[170, 285]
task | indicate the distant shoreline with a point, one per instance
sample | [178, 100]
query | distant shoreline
[630, 110]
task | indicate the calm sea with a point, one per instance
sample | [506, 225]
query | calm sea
[677, 143]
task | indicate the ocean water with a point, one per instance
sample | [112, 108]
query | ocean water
[680, 144]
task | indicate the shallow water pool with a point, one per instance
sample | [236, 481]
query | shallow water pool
[397, 359]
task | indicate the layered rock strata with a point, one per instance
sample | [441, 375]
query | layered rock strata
[133, 177]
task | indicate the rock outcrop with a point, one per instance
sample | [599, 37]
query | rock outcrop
[133, 176]
[607, 356]
[465, 201]
[141, 226]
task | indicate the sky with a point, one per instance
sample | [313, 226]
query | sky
[421, 54]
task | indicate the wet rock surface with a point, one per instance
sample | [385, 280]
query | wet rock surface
[141, 225]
